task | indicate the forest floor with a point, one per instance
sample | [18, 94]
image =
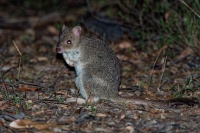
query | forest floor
[37, 88]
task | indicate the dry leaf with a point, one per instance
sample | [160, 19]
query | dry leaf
[197, 111]
[130, 128]
[122, 116]
[70, 120]
[100, 115]
[64, 106]
[30, 124]
[153, 71]
[78, 100]
[53, 30]
[3, 102]
[21, 124]
[43, 126]
[149, 94]
[61, 92]
[3, 105]
[38, 112]
[42, 58]
[124, 45]
[162, 116]
[122, 57]
[184, 53]
[24, 88]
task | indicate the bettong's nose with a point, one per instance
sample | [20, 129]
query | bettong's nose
[58, 50]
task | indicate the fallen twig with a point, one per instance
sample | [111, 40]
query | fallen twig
[20, 55]
[163, 70]
[182, 1]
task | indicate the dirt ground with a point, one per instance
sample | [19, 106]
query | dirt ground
[38, 92]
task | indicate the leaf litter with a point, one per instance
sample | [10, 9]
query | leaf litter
[44, 98]
[44, 94]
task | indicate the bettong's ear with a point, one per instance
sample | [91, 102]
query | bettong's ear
[77, 31]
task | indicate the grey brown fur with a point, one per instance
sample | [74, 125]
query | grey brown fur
[97, 67]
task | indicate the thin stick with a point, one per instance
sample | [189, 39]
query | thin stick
[154, 67]
[182, 1]
[19, 68]
[163, 70]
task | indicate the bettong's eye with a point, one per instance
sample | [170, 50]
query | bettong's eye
[69, 41]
